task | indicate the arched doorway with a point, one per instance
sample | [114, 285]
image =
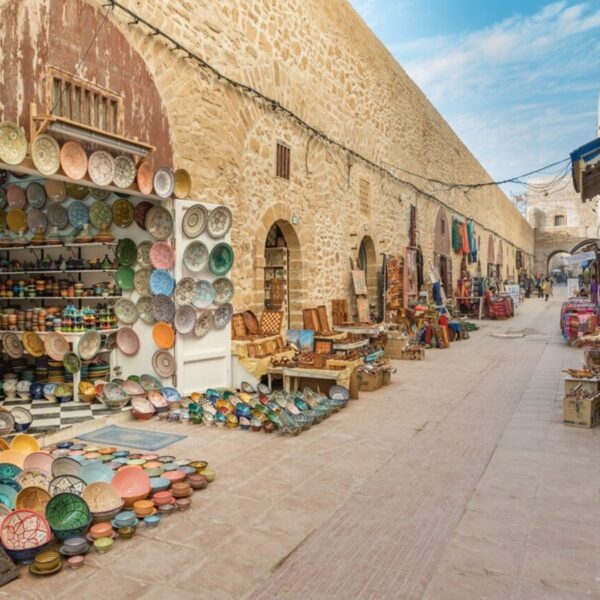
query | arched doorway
[491, 257]
[442, 259]
[499, 261]
[282, 279]
[367, 262]
[559, 269]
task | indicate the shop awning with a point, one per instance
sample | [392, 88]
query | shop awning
[585, 163]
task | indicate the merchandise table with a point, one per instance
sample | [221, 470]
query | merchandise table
[343, 377]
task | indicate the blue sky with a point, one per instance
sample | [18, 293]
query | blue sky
[517, 81]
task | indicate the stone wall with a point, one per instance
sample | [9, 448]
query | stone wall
[319, 59]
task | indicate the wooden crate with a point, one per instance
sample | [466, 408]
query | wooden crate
[339, 312]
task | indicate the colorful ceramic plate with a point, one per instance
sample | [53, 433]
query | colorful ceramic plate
[159, 222]
[144, 309]
[185, 291]
[13, 143]
[122, 212]
[128, 341]
[57, 215]
[124, 174]
[162, 282]
[219, 222]
[100, 215]
[101, 167]
[204, 323]
[99, 194]
[163, 308]
[89, 345]
[195, 256]
[224, 290]
[150, 383]
[45, 153]
[16, 220]
[140, 212]
[183, 183]
[36, 195]
[185, 319]
[163, 363]
[162, 255]
[220, 260]
[144, 177]
[15, 196]
[222, 315]
[33, 344]
[37, 221]
[125, 278]
[126, 252]
[164, 182]
[55, 190]
[12, 345]
[205, 293]
[143, 253]
[163, 336]
[72, 363]
[141, 281]
[73, 160]
[78, 214]
[74, 190]
[125, 311]
[56, 345]
[194, 221]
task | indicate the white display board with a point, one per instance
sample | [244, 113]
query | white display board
[514, 292]
[572, 287]
[201, 362]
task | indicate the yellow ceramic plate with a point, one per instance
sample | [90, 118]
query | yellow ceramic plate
[17, 220]
[183, 183]
[24, 443]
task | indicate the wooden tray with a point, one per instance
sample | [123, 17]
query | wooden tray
[270, 322]
[251, 322]
[238, 328]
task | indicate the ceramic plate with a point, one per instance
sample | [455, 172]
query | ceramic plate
[101, 167]
[15, 196]
[16, 220]
[13, 143]
[74, 190]
[36, 195]
[163, 363]
[57, 215]
[89, 345]
[144, 309]
[72, 363]
[185, 319]
[145, 177]
[195, 256]
[78, 214]
[45, 153]
[73, 160]
[163, 308]
[224, 290]
[56, 345]
[99, 194]
[55, 190]
[159, 222]
[139, 214]
[204, 323]
[2, 198]
[164, 182]
[223, 315]
[220, 260]
[143, 253]
[122, 212]
[163, 336]
[37, 221]
[141, 281]
[126, 252]
[162, 255]
[125, 311]
[185, 291]
[33, 344]
[194, 221]
[12, 345]
[183, 183]
[128, 341]
[205, 293]
[124, 174]
[100, 215]
[125, 278]
[162, 282]
[219, 222]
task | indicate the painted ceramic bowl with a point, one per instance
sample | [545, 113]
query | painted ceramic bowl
[68, 515]
[152, 521]
[132, 484]
[103, 544]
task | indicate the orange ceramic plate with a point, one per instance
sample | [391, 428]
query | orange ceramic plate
[73, 160]
[163, 335]
[145, 178]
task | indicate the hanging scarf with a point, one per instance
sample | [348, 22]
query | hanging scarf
[470, 236]
[455, 238]
[465, 239]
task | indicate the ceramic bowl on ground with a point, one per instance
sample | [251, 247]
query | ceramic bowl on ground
[125, 519]
[75, 562]
[47, 561]
[143, 508]
[174, 476]
[183, 503]
[68, 515]
[197, 482]
[166, 509]
[24, 443]
[24, 533]
[132, 484]
[100, 530]
[103, 544]
[210, 474]
[159, 484]
[199, 465]
[126, 532]
[75, 545]
[152, 521]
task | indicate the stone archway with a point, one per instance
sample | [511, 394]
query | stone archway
[280, 215]
[367, 261]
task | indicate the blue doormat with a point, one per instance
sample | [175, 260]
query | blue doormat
[141, 439]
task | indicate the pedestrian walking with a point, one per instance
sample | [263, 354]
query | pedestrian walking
[538, 285]
[594, 290]
[546, 286]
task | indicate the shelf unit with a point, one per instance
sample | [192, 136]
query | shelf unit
[276, 268]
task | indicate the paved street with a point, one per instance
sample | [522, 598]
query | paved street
[457, 481]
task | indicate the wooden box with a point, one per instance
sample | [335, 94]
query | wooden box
[581, 412]
[370, 382]
[585, 386]
[394, 347]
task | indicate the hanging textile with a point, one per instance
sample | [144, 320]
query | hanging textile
[474, 248]
[466, 248]
[419, 268]
[455, 237]
[471, 237]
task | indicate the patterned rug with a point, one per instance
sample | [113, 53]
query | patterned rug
[140, 439]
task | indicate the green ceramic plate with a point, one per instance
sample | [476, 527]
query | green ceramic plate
[220, 260]
[126, 252]
[71, 362]
[124, 278]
